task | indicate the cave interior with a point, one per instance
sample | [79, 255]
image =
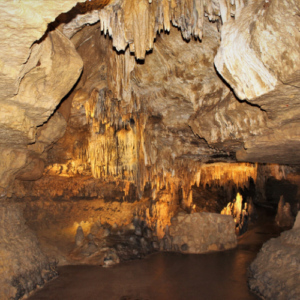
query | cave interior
[132, 127]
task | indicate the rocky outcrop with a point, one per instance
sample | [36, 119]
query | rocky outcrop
[259, 36]
[23, 266]
[275, 272]
[37, 69]
[202, 232]
[23, 24]
[257, 57]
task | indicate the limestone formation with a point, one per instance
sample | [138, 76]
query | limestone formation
[23, 266]
[202, 232]
[240, 212]
[252, 211]
[255, 39]
[138, 22]
[275, 271]
[79, 237]
[284, 217]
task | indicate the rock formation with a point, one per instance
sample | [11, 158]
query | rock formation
[23, 266]
[240, 212]
[202, 232]
[275, 271]
[284, 217]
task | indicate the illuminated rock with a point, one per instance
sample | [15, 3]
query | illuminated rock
[202, 232]
[240, 213]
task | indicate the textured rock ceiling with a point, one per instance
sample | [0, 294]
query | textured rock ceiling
[176, 97]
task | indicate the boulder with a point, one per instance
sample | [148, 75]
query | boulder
[203, 232]
[275, 273]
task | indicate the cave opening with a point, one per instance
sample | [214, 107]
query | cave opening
[149, 150]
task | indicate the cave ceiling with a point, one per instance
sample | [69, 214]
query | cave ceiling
[159, 81]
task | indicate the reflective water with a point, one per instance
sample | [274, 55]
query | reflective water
[164, 276]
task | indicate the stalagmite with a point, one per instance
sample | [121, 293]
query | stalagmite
[240, 213]
[284, 217]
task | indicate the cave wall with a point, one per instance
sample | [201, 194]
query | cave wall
[23, 266]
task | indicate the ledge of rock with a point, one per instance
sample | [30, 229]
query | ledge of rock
[202, 232]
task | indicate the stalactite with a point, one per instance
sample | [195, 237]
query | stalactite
[137, 22]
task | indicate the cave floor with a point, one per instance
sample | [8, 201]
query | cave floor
[165, 275]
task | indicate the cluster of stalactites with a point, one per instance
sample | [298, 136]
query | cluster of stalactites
[136, 22]
[185, 174]
[222, 174]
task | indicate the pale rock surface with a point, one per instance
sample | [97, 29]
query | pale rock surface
[297, 221]
[50, 132]
[23, 23]
[37, 69]
[12, 160]
[202, 232]
[255, 53]
[259, 58]
[229, 124]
